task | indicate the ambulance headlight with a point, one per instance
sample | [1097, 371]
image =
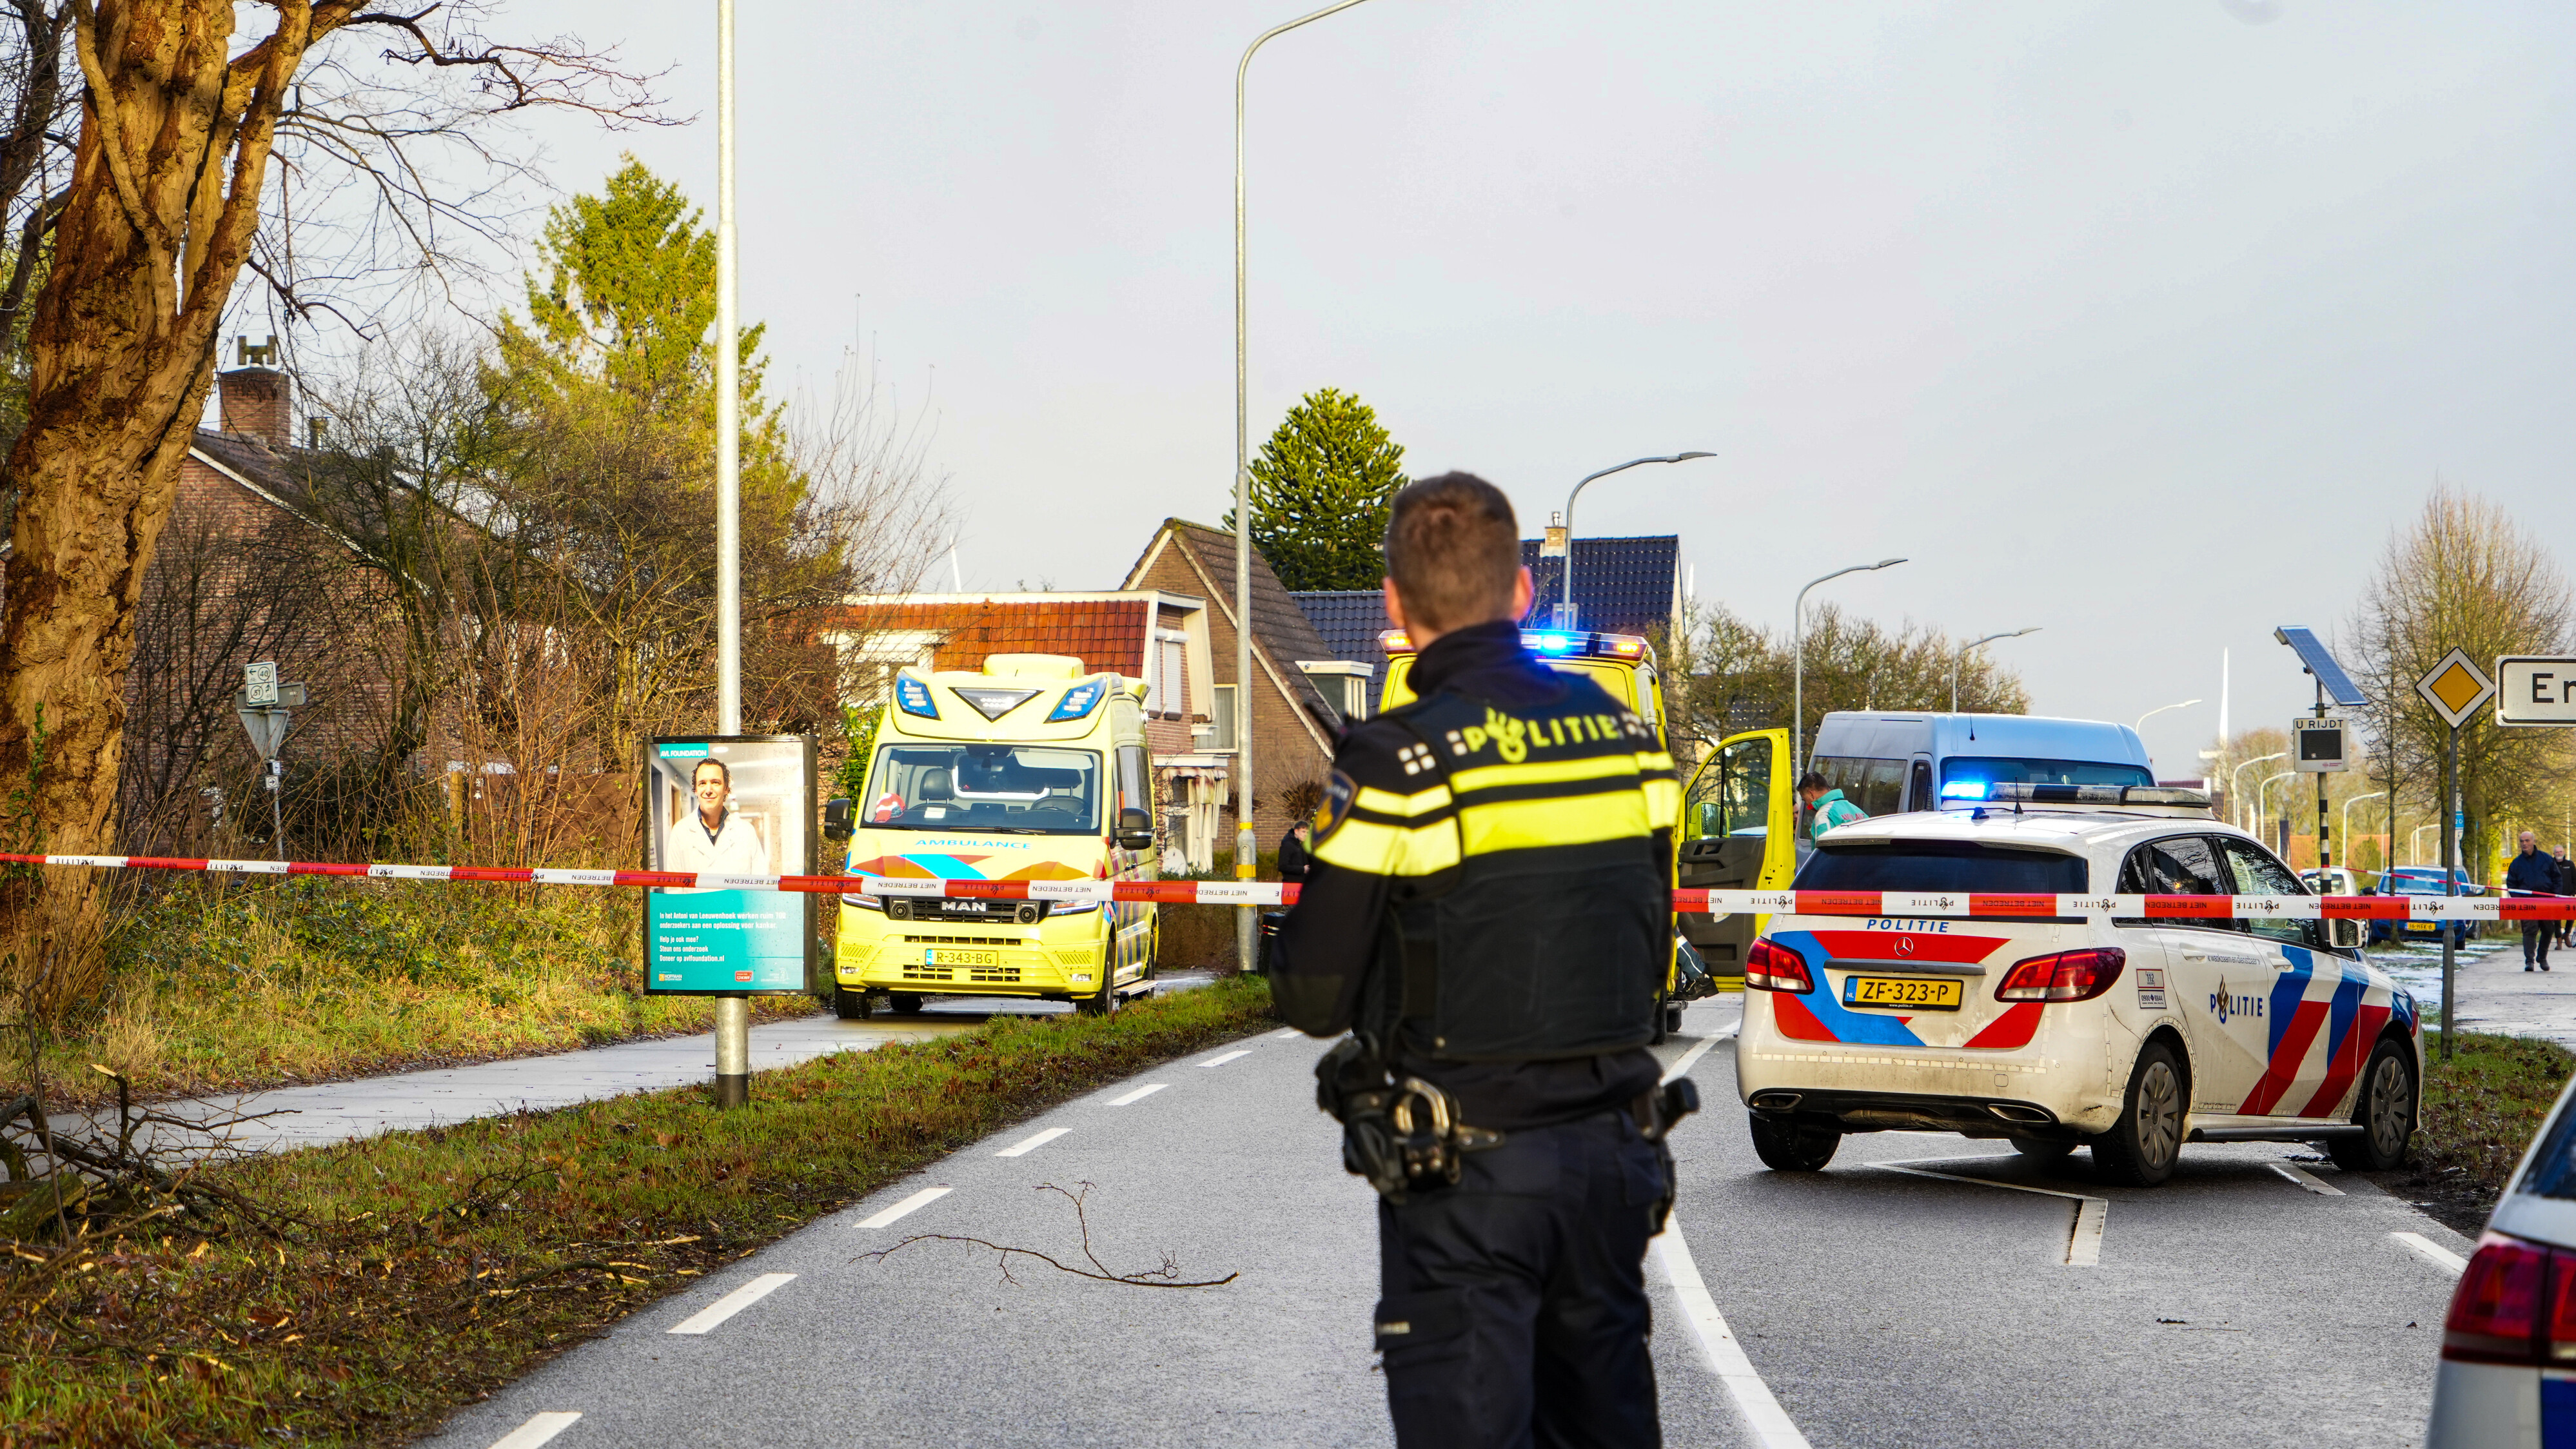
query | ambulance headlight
[862, 900]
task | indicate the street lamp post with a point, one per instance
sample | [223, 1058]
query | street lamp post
[2237, 799]
[1961, 656]
[2263, 789]
[2160, 709]
[1566, 597]
[1798, 660]
[2347, 825]
[2414, 852]
[733, 1013]
[1247, 843]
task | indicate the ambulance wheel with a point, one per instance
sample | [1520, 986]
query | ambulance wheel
[2042, 1149]
[904, 1003]
[2385, 1113]
[849, 1005]
[1100, 1005]
[1789, 1145]
[2141, 1148]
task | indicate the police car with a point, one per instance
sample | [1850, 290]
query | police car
[2129, 1037]
[2509, 1340]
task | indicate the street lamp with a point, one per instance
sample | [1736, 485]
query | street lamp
[2233, 776]
[1955, 659]
[2160, 709]
[2259, 791]
[733, 1013]
[1247, 844]
[1798, 661]
[2414, 853]
[2347, 823]
[1567, 598]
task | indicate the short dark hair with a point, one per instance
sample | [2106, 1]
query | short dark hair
[720, 769]
[1454, 551]
[1811, 781]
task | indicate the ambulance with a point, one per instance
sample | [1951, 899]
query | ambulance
[1033, 770]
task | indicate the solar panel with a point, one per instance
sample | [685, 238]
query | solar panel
[2340, 690]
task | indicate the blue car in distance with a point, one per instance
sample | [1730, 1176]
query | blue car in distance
[2422, 880]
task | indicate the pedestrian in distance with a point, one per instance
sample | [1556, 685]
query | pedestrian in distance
[2566, 887]
[1489, 915]
[1830, 808]
[2534, 874]
[1292, 852]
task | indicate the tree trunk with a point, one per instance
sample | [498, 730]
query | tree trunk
[163, 202]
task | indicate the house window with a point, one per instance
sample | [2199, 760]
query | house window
[1219, 735]
[1168, 692]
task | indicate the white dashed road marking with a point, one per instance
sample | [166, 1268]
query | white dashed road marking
[921, 1199]
[1762, 1413]
[1291, 1034]
[1027, 1145]
[1691, 1058]
[1138, 1095]
[732, 1303]
[2431, 1252]
[2308, 1180]
[538, 1429]
[1221, 1061]
[2092, 1214]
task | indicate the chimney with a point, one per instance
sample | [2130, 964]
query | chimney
[256, 404]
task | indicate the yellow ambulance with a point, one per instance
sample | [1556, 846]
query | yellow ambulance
[1034, 770]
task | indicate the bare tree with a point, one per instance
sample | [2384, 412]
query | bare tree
[1728, 676]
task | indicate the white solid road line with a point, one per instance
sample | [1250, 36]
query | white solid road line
[2432, 1252]
[1027, 1145]
[538, 1429]
[1691, 1058]
[2092, 1214]
[2308, 1180]
[923, 1198]
[732, 1303]
[1762, 1413]
[1138, 1095]
[1221, 1061]
[1291, 1034]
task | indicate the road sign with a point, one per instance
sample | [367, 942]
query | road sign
[2455, 688]
[267, 730]
[259, 682]
[2317, 746]
[2535, 692]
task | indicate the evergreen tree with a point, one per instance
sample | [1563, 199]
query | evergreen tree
[1322, 491]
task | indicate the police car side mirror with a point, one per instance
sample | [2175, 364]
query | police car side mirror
[1135, 829]
[836, 820]
[2343, 934]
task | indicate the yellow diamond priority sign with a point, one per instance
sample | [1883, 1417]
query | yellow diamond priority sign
[2455, 688]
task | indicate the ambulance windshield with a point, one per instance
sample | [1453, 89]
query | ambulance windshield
[1018, 789]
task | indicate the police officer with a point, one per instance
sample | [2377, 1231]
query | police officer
[1489, 916]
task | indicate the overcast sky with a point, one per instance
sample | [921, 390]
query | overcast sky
[2139, 323]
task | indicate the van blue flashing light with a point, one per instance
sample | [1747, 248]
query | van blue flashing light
[1963, 789]
[1078, 701]
[913, 697]
[1550, 643]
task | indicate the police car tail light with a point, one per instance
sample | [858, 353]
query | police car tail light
[2496, 1311]
[2064, 975]
[1770, 966]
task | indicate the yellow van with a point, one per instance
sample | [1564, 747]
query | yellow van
[1739, 812]
[1033, 770]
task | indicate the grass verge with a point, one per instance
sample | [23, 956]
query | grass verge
[430, 1267]
[2480, 1109]
[225, 986]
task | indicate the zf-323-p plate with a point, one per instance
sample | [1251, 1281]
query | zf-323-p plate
[1916, 993]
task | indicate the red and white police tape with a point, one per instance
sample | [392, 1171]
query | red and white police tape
[1905, 904]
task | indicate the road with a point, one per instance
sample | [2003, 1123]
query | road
[2241, 1304]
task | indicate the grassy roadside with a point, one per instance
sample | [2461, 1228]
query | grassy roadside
[2480, 1109]
[432, 1267]
[223, 986]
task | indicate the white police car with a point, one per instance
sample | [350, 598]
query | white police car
[2508, 1375]
[2127, 1036]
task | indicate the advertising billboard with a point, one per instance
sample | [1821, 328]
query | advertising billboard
[731, 808]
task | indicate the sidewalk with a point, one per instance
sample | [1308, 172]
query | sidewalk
[2494, 993]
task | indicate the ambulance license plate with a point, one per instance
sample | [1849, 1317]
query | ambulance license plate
[951, 956]
[1938, 994]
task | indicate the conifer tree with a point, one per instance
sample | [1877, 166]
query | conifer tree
[1322, 491]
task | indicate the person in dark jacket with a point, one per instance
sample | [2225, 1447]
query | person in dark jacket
[1292, 852]
[2566, 887]
[2534, 874]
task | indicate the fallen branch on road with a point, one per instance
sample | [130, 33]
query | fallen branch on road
[1166, 1276]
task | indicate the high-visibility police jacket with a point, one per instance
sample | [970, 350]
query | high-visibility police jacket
[1492, 870]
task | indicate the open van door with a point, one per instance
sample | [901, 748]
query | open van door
[1739, 832]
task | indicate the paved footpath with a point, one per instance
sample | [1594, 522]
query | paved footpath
[2261, 1298]
[2494, 992]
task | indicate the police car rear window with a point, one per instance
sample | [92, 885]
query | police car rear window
[2553, 1167]
[1942, 865]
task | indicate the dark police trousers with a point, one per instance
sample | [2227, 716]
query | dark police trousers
[1514, 1313]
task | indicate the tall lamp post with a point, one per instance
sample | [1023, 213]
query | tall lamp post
[2262, 791]
[2414, 852]
[1247, 843]
[2160, 709]
[1961, 656]
[1565, 602]
[2234, 776]
[733, 1013]
[1798, 659]
[2347, 825]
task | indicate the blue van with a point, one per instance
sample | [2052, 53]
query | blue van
[1891, 763]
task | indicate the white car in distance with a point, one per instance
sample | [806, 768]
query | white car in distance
[2129, 1037]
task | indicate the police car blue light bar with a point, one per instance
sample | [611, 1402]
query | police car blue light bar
[2024, 792]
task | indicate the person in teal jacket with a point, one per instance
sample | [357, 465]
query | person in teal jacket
[1830, 808]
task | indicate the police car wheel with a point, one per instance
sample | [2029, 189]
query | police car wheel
[904, 1003]
[1789, 1145]
[2141, 1148]
[2042, 1149]
[2385, 1112]
[849, 1005]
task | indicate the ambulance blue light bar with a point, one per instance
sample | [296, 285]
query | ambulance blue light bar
[1550, 644]
[913, 697]
[1078, 701]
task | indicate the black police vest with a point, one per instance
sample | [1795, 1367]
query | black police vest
[1552, 933]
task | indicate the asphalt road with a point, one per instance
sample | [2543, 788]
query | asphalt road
[1871, 1305]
